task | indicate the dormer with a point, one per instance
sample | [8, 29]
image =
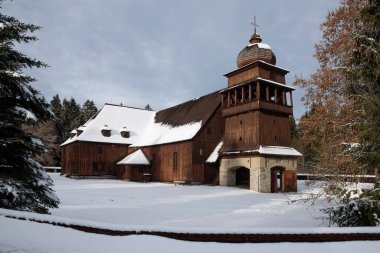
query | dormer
[106, 131]
[73, 133]
[80, 130]
[124, 132]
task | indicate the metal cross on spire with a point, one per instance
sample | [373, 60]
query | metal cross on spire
[255, 25]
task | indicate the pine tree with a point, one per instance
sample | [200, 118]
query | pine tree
[57, 109]
[24, 185]
[364, 86]
[87, 111]
[70, 117]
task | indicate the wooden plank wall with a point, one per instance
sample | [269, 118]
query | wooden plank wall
[274, 129]
[248, 131]
[162, 161]
[256, 71]
[242, 132]
[205, 142]
[78, 157]
[243, 76]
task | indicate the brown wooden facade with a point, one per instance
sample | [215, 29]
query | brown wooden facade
[91, 158]
[178, 161]
[183, 161]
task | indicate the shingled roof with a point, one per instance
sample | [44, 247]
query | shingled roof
[196, 110]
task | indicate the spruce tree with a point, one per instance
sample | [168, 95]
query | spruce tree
[70, 117]
[87, 111]
[57, 109]
[24, 185]
[364, 86]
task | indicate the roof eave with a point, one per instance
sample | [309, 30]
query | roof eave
[258, 62]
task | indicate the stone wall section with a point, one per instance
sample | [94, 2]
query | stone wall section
[260, 170]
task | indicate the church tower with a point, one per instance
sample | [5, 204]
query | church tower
[256, 106]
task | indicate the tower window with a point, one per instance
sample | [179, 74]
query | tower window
[200, 152]
[99, 167]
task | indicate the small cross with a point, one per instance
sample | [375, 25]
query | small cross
[255, 25]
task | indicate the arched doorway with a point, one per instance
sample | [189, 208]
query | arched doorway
[242, 177]
[238, 176]
[277, 179]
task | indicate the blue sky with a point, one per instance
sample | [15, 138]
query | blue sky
[162, 52]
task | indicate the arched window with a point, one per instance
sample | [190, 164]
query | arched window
[175, 161]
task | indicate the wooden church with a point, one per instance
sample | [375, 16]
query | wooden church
[239, 135]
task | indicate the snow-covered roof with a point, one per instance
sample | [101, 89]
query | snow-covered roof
[276, 83]
[215, 154]
[260, 45]
[266, 63]
[136, 158]
[278, 150]
[147, 128]
[115, 117]
[158, 133]
[270, 150]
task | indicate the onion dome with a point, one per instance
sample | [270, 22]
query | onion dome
[255, 51]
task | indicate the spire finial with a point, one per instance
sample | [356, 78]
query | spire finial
[255, 38]
[255, 25]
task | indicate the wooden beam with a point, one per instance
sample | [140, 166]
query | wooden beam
[267, 92]
[275, 95]
[250, 92]
[228, 99]
[235, 96]
[291, 99]
[242, 94]
[258, 90]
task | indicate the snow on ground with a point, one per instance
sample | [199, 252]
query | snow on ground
[117, 204]
[160, 204]
[27, 237]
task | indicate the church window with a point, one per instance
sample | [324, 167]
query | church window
[98, 166]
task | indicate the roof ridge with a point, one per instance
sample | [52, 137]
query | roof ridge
[132, 107]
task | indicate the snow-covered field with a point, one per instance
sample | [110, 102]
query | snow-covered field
[122, 205]
[159, 204]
